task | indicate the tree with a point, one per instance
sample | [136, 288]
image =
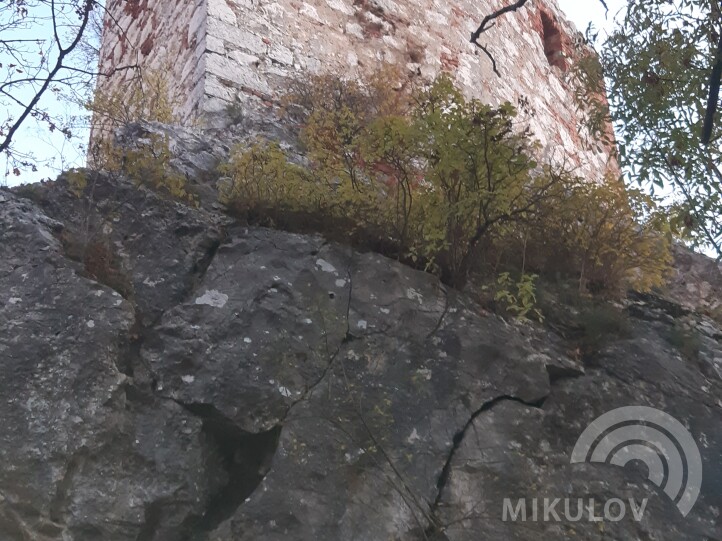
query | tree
[48, 69]
[661, 63]
[660, 68]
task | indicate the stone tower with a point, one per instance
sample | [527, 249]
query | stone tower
[221, 53]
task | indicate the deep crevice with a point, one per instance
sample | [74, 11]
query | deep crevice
[559, 373]
[97, 260]
[152, 516]
[129, 352]
[433, 531]
[200, 268]
[244, 459]
[61, 499]
[139, 332]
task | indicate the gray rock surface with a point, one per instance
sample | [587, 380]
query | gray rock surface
[83, 456]
[148, 248]
[697, 282]
[222, 383]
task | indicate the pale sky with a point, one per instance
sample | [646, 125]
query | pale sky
[582, 12]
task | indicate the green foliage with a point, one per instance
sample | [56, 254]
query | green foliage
[429, 174]
[266, 185]
[77, 181]
[599, 323]
[148, 164]
[613, 237]
[437, 180]
[148, 96]
[479, 175]
[518, 298]
[657, 64]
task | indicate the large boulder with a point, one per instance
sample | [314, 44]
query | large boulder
[150, 249]
[219, 383]
[84, 456]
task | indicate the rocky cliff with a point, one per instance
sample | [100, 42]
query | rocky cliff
[168, 375]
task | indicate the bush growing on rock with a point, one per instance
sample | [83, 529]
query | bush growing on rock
[148, 163]
[609, 237]
[147, 96]
[266, 187]
[437, 180]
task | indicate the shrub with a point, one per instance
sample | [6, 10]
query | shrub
[77, 181]
[429, 180]
[147, 96]
[439, 181]
[518, 298]
[610, 237]
[149, 164]
[266, 186]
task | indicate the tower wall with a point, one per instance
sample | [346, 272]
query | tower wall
[226, 52]
[165, 37]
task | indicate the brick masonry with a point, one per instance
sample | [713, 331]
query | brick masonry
[221, 52]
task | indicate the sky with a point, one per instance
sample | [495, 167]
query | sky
[582, 12]
[51, 152]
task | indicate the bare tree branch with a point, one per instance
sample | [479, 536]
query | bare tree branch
[489, 21]
[63, 53]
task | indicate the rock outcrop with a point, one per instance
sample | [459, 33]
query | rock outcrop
[169, 375]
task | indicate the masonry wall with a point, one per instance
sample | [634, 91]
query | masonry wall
[165, 36]
[242, 52]
[253, 45]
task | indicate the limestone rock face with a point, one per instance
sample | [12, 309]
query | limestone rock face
[84, 456]
[697, 283]
[200, 380]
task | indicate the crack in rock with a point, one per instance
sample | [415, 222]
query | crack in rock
[348, 337]
[61, 499]
[153, 514]
[201, 266]
[560, 373]
[433, 531]
[242, 458]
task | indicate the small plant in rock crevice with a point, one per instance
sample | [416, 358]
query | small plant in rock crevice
[686, 339]
[518, 297]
